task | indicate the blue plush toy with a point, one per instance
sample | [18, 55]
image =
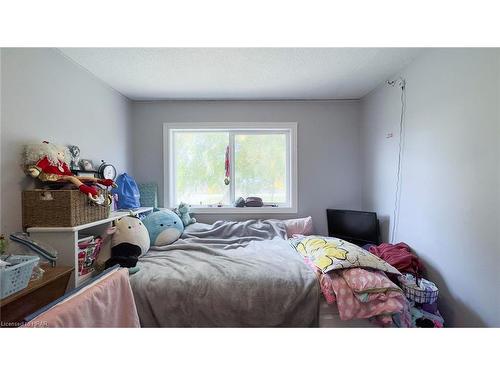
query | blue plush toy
[164, 227]
[183, 212]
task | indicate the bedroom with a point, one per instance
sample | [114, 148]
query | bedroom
[407, 133]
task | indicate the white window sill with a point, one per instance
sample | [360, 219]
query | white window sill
[243, 210]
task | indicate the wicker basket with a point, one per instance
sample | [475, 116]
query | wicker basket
[60, 208]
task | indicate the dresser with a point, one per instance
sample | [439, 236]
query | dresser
[38, 293]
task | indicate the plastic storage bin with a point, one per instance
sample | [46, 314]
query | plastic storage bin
[16, 277]
[88, 251]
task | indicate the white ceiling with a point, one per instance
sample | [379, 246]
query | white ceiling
[243, 73]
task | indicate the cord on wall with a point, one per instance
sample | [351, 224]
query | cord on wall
[401, 83]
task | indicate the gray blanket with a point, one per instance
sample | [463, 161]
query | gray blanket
[227, 274]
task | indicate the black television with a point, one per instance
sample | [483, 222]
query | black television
[357, 227]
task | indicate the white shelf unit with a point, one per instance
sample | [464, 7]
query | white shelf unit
[65, 240]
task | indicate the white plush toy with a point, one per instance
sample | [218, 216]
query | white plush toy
[130, 240]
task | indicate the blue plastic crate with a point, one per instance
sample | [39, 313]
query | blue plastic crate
[16, 277]
[149, 195]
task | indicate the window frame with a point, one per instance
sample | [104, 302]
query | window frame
[249, 127]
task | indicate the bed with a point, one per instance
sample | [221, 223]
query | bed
[230, 274]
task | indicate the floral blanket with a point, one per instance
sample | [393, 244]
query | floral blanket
[330, 253]
[364, 293]
[380, 304]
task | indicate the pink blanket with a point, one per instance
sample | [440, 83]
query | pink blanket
[362, 293]
[108, 302]
[350, 307]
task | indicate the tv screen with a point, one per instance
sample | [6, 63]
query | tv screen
[358, 227]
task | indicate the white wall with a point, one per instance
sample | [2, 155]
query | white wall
[0, 139]
[450, 200]
[46, 96]
[328, 146]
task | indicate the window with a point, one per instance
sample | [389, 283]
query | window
[210, 165]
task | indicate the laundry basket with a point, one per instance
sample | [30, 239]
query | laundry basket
[418, 290]
[17, 276]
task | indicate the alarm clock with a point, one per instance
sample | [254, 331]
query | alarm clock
[106, 170]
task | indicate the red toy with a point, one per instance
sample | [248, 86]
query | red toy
[49, 163]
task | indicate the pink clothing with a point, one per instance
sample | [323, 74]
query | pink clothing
[351, 308]
[361, 293]
[108, 302]
[398, 256]
[325, 284]
[368, 281]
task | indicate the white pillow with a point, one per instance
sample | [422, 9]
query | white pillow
[303, 225]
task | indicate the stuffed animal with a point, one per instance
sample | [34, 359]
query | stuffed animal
[164, 227]
[130, 240]
[49, 163]
[183, 212]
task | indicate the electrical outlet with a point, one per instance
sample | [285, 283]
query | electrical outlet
[389, 135]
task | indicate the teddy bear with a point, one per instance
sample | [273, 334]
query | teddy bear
[183, 212]
[49, 163]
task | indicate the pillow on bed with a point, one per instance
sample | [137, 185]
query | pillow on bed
[303, 225]
[330, 253]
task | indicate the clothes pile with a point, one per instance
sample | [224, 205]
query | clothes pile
[354, 279]
[426, 316]
[399, 256]
[381, 283]
[362, 293]
[422, 294]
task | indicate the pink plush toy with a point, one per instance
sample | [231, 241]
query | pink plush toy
[49, 163]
